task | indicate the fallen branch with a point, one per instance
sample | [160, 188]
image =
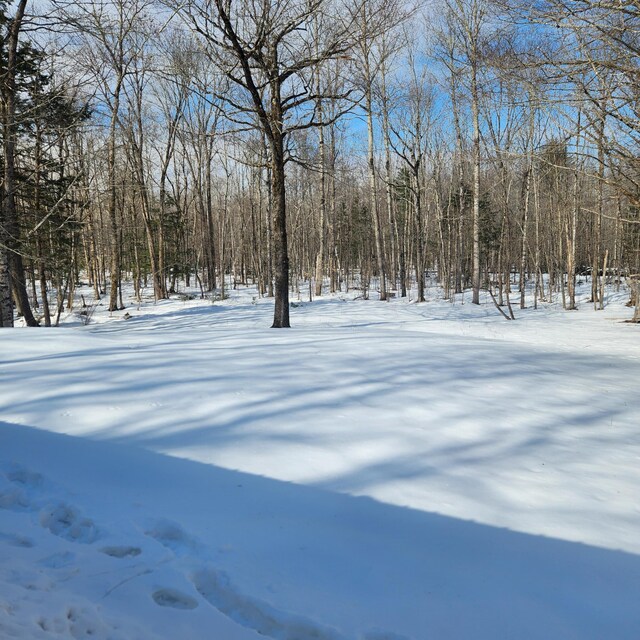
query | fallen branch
[498, 306]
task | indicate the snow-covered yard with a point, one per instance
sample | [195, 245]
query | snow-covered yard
[380, 471]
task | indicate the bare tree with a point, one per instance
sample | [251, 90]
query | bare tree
[108, 30]
[410, 128]
[269, 52]
[376, 19]
[468, 19]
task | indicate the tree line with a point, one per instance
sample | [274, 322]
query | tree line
[341, 144]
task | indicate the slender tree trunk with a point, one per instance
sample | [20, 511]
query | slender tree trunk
[597, 277]
[457, 268]
[211, 240]
[114, 227]
[42, 271]
[322, 223]
[375, 213]
[393, 228]
[46, 311]
[475, 110]
[524, 244]
[616, 241]
[419, 234]
[270, 227]
[570, 240]
[6, 303]
[539, 290]
[334, 275]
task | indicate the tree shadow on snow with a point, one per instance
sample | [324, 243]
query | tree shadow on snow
[417, 573]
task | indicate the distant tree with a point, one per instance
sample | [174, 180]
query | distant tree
[468, 20]
[49, 164]
[410, 127]
[110, 38]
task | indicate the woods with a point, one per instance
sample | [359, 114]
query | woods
[340, 144]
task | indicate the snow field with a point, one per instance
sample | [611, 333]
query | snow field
[381, 471]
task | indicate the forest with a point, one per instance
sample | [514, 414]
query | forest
[440, 199]
[325, 144]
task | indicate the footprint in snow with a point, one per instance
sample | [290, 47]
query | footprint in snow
[173, 599]
[21, 490]
[121, 552]
[216, 588]
[17, 488]
[65, 522]
[172, 536]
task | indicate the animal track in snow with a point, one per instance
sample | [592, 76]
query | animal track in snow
[65, 522]
[174, 599]
[215, 587]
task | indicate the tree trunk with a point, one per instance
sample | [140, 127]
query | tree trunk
[393, 227]
[375, 213]
[12, 275]
[281, 256]
[419, 234]
[475, 108]
[114, 227]
[524, 244]
[322, 223]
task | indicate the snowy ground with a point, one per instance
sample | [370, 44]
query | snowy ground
[381, 471]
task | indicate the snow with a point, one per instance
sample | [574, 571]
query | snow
[381, 471]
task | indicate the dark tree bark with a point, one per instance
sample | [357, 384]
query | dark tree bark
[11, 266]
[270, 53]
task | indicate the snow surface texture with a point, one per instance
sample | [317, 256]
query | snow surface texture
[382, 471]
